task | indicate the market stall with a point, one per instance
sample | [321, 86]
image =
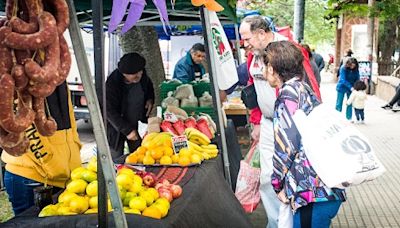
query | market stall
[207, 199]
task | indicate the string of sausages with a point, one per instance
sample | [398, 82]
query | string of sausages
[34, 60]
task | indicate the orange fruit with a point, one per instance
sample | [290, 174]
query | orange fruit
[132, 158]
[212, 5]
[141, 150]
[157, 152]
[140, 158]
[184, 160]
[148, 160]
[152, 212]
[168, 151]
[166, 160]
[175, 158]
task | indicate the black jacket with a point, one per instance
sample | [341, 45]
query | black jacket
[114, 97]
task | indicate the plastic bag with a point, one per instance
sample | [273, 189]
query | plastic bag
[339, 153]
[184, 91]
[190, 102]
[248, 183]
[206, 100]
[170, 100]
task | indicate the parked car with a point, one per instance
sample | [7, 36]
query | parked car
[79, 101]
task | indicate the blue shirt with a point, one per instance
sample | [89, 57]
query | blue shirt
[347, 77]
[185, 69]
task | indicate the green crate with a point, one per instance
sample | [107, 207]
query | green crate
[200, 87]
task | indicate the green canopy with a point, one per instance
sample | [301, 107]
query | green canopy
[183, 10]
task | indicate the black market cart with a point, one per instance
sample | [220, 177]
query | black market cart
[208, 199]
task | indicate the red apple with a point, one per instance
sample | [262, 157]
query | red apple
[176, 191]
[158, 185]
[165, 193]
[166, 183]
[149, 179]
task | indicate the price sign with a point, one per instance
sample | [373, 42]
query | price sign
[179, 142]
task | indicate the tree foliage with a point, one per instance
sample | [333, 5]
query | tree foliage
[317, 29]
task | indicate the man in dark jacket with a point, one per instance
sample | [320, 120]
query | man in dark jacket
[189, 67]
[130, 98]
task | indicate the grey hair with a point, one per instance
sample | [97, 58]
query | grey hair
[257, 22]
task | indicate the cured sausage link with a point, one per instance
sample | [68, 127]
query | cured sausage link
[8, 120]
[61, 14]
[50, 69]
[5, 53]
[34, 8]
[8, 139]
[18, 73]
[18, 149]
[65, 62]
[44, 37]
[46, 126]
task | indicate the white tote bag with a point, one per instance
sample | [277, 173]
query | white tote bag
[339, 153]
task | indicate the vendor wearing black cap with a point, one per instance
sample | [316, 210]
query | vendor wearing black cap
[130, 98]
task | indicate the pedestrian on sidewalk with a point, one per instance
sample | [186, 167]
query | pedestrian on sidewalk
[347, 77]
[294, 180]
[394, 103]
[357, 100]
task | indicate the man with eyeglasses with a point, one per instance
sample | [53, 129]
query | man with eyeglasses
[256, 33]
[189, 67]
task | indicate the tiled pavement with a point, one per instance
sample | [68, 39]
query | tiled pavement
[376, 203]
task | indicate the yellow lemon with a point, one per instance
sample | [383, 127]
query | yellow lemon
[148, 160]
[162, 207]
[195, 158]
[153, 192]
[137, 179]
[137, 203]
[128, 197]
[49, 210]
[175, 158]
[91, 189]
[93, 202]
[157, 153]
[77, 186]
[124, 180]
[168, 151]
[77, 173]
[126, 171]
[65, 211]
[89, 176]
[79, 204]
[136, 187]
[132, 158]
[184, 152]
[140, 158]
[166, 160]
[91, 211]
[66, 197]
[147, 196]
[163, 201]
[184, 160]
[132, 211]
[92, 165]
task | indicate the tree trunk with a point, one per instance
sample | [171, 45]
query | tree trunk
[387, 47]
[144, 40]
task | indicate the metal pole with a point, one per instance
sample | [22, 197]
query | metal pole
[237, 45]
[98, 44]
[205, 21]
[95, 115]
[298, 23]
[370, 42]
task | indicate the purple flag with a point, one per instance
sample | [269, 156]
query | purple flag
[162, 9]
[135, 12]
[117, 14]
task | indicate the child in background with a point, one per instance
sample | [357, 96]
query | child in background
[357, 99]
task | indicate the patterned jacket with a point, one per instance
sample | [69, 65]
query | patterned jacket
[292, 171]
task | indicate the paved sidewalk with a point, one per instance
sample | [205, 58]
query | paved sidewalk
[376, 203]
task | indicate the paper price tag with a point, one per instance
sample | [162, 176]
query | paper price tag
[179, 142]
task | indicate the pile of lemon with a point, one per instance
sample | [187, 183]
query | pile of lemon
[156, 148]
[81, 195]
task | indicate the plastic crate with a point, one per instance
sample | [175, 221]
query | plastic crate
[200, 87]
